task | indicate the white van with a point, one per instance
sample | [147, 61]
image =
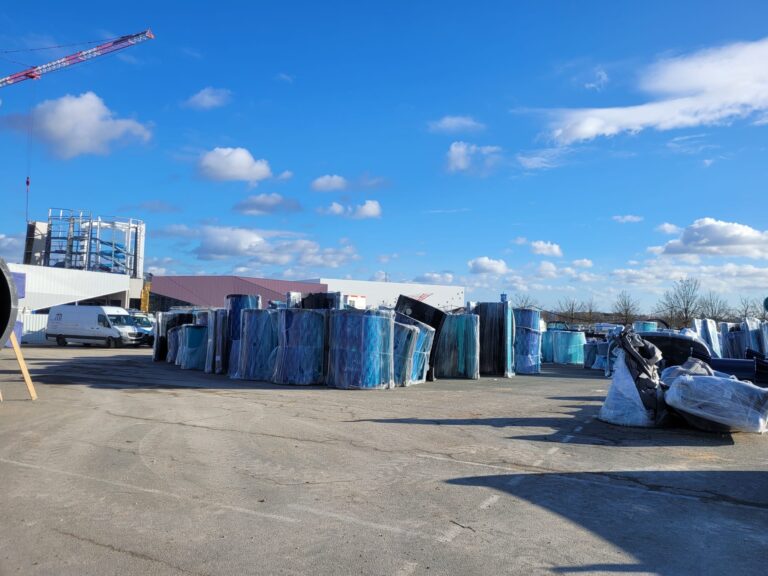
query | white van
[108, 325]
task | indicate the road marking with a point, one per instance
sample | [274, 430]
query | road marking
[488, 502]
[450, 534]
[469, 462]
[154, 491]
[360, 522]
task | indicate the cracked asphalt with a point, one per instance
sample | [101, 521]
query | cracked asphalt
[125, 466]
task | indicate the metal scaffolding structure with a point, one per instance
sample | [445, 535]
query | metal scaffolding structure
[77, 240]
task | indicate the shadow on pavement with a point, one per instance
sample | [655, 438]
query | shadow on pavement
[672, 523]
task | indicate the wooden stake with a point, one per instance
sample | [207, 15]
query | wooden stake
[23, 367]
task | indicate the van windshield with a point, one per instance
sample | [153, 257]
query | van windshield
[121, 320]
[142, 321]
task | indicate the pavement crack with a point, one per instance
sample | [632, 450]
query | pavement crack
[131, 553]
[462, 525]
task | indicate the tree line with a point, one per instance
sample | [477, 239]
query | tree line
[678, 307]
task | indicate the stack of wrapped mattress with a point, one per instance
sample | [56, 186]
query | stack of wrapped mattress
[300, 354]
[424, 343]
[219, 348]
[404, 350]
[428, 315]
[497, 337]
[258, 344]
[361, 346]
[527, 341]
[173, 338]
[458, 347]
[194, 344]
[236, 303]
[166, 321]
[568, 347]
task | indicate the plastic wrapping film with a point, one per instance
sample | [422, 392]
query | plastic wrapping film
[192, 354]
[754, 339]
[221, 348]
[258, 348]
[547, 352]
[645, 326]
[403, 352]
[427, 314]
[236, 303]
[166, 321]
[708, 332]
[725, 342]
[764, 336]
[568, 347]
[730, 402]
[527, 341]
[737, 342]
[458, 347]
[210, 345]
[202, 316]
[300, 354]
[601, 359]
[361, 349]
[590, 354]
[424, 343]
[173, 337]
[322, 301]
[293, 300]
[497, 338]
[623, 404]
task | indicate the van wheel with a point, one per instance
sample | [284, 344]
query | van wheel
[60, 340]
[110, 343]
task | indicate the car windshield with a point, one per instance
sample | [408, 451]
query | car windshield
[142, 321]
[121, 320]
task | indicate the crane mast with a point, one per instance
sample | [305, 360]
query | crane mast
[35, 72]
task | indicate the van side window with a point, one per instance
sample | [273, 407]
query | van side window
[103, 321]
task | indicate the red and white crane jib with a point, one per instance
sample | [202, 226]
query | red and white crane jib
[35, 72]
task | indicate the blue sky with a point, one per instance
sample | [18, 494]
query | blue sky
[559, 149]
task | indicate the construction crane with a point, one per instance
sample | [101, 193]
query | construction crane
[35, 72]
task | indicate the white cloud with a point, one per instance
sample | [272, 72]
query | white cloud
[461, 156]
[386, 258]
[209, 98]
[454, 124]
[710, 237]
[11, 248]
[708, 87]
[667, 228]
[582, 263]
[435, 278]
[547, 270]
[285, 175]
[520, 240]
[368, 209]
[75, 125]
[329, 182]
[287, 78]
[266, 204]
[542, 159]
[627, 219]
[599, 81]
[233, 164]
[689, 144]
[546, 248]
[486, 265]
[267, 247]
[378, 276]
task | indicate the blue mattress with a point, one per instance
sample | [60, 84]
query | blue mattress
[527, 341]
[300, 354]
[404, 349]
[258, 344]
[424, 343]
[361, 349]
[458, 347]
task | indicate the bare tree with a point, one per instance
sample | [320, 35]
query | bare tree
[626, 308]
[569, 309]
[714, 306]
[745, 308]
[680, 304]
[523, 300]
[589, 311]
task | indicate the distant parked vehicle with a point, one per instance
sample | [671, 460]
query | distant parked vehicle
[107, 325]
[145, 324]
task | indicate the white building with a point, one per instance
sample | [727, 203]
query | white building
[374, 294]
[46, 287]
